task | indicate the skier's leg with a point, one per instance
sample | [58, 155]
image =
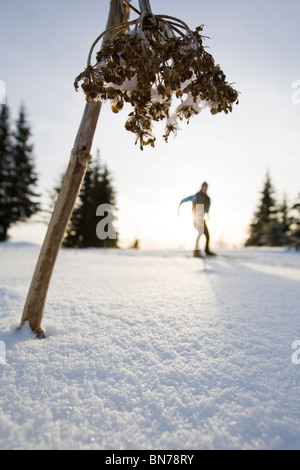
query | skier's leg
[206, 233]
[197, 241]
[198, 224]
[207, 249]
[197, 252]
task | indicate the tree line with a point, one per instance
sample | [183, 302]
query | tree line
[273, 223]
[18, 178]
[19, 199]
[97, 189]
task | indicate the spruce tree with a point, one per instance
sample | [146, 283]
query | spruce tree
[78, 225]
[5, 172]
[285, 220]
[294, 237]
[97, 189]
[24, 177]
[265, 229]
[17, 175]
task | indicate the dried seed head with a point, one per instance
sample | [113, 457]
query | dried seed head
[148, 65]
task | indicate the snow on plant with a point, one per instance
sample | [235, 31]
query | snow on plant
[148, 62]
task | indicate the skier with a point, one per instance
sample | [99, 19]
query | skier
[200, 209]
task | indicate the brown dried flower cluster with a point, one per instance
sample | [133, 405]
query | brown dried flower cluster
[147, 63]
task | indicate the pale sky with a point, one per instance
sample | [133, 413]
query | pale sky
[44, 45]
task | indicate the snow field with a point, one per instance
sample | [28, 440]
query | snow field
[152, 351]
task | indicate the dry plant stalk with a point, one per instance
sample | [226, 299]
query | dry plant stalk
[80, 157]
[147, 63]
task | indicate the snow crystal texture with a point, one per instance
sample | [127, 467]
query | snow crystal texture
[152, 350]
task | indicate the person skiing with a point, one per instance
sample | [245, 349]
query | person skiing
[200, 210]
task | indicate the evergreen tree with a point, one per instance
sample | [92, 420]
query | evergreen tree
[97, 189]
[5, 172]
[294, 238]
[265, 229]
[285, 220]
[78, 225]
[17, 175]
[24, 178]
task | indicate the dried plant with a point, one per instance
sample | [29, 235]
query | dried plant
[150, 61]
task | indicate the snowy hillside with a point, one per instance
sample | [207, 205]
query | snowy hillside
[152, 350]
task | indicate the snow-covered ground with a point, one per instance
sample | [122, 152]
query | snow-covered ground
[152, 350]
